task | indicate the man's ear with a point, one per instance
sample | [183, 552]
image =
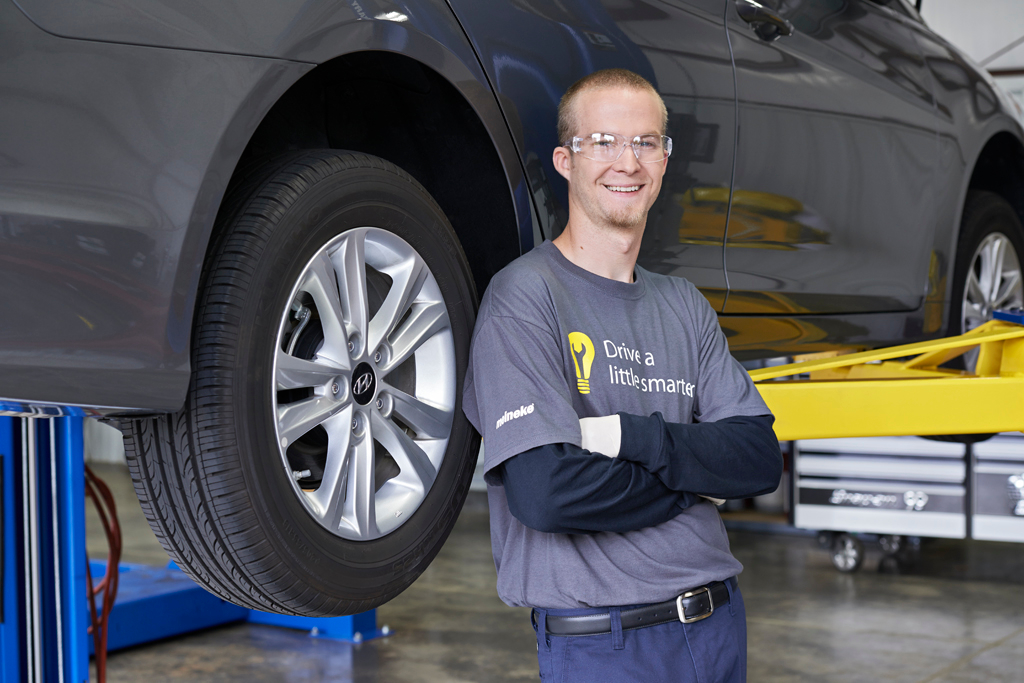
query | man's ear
[562, 160]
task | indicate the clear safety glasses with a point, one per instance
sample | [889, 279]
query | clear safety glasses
[608, 147]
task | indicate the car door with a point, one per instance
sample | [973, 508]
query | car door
[533, 51]
[832, 204]
[685, 43]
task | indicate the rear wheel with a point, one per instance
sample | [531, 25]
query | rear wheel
[986, 276]
[322, 456]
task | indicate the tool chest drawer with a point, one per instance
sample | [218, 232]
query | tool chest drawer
[999, 489]
[892, 485]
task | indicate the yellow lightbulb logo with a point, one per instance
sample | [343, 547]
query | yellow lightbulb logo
[582, 350]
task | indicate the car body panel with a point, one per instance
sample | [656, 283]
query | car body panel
[837, 112]
[96, 195]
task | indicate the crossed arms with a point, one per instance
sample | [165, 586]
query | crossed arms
[661, 468]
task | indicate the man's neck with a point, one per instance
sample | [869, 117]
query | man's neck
[608, 252]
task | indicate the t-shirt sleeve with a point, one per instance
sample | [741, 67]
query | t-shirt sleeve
[515, 393]
[724, 388]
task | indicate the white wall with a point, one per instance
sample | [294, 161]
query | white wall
[981, 28]
[991, 32]
[101, 442]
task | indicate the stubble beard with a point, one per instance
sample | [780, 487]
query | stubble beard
[627, 218]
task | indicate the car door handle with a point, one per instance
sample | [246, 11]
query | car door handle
[766, 24]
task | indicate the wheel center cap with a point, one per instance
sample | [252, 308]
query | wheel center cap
[364, 383]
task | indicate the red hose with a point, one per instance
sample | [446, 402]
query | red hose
[101, 497]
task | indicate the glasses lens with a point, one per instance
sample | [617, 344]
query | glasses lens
[601, 147]
[650, 148]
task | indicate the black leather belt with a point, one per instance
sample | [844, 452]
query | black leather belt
[694, 605]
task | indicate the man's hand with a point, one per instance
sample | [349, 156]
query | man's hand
[601, 435]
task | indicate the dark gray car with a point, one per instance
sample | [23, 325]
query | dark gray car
[255, 232]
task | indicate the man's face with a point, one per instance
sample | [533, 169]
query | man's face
[614, 194]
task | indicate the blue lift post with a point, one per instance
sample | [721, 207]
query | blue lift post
[43, 634]
[10, 642]
[66, 522]
[44, 610]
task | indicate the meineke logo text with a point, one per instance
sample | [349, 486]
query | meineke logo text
[513, 414]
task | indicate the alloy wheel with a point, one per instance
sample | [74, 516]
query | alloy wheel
[364, 379]
[993, 282]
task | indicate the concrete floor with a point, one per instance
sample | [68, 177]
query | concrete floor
[954, 613]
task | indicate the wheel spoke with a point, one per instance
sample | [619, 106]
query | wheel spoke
[350, 261]
[321, 283]
[330, 497]
[410, 457]
[975, 293]
[295, 419]
[407, 278]
[360, 504]
[428, 421]
[296, 373]
[423, 322]
[1010, 289]
[998, 256]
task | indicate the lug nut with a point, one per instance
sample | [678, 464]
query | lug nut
[351, 347]
[376, 357]
[380, 404]
[335, 388]
[355, 425]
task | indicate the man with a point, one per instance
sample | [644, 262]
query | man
[610, 408]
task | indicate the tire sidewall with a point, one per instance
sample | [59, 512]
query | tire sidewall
[337, 198]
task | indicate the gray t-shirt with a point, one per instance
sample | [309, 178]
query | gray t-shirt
[554, 343]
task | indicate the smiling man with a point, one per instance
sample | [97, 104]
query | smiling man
[612, 415]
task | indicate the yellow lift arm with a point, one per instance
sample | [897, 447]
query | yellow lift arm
[873, 394]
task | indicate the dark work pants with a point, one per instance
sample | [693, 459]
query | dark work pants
[713, 650]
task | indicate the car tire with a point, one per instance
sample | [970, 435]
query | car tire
[370, 479]
[989, 226]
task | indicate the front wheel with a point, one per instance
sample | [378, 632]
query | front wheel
[322, 455]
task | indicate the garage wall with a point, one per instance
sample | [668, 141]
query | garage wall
[102, 443]
[990, 31]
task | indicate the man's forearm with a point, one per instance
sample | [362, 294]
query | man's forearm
[561, 488]
[736, 457]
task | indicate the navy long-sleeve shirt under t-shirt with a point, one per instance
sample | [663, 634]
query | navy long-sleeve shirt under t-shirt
[661, 469]
[555, 343]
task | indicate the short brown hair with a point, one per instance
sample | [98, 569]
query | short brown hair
[606, 78]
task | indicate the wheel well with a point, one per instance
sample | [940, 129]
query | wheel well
[391, 106]
[1000, 169]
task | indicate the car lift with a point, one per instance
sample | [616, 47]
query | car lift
[43, 599]
[873, 394]
[900, 390]
[897, 488]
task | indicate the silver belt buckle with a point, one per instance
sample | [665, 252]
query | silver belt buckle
[690, 594]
